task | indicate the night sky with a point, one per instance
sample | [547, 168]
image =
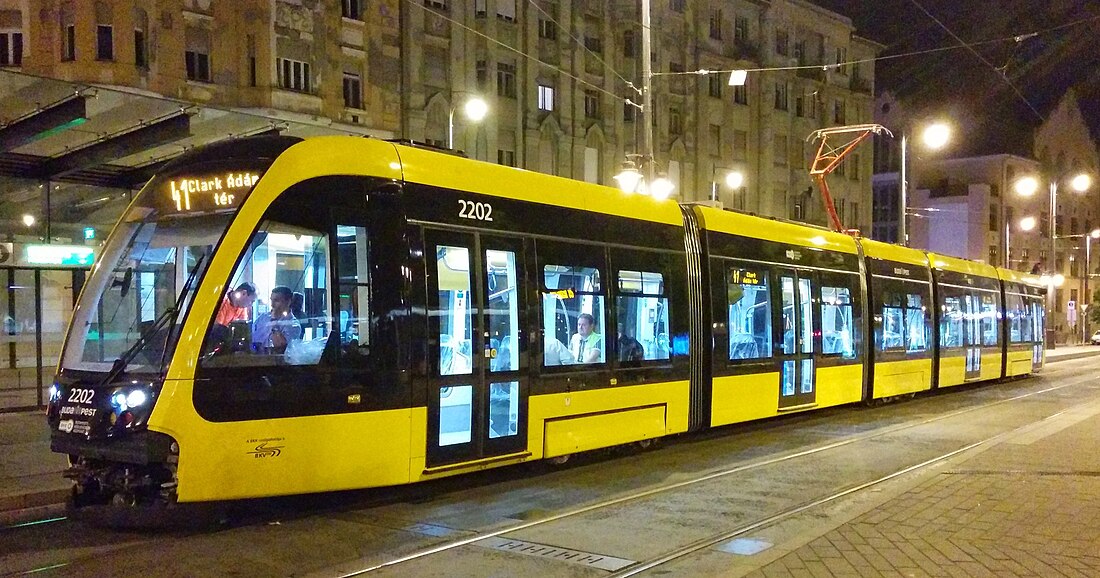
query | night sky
[957, 84]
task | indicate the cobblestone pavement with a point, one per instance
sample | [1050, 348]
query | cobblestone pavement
[1021, 508]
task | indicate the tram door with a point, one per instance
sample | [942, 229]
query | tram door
[478, 401]
[797, 379]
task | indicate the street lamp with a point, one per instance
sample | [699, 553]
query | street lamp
[733, 180]
[934, 136]
[1025, 224]
[475, 110]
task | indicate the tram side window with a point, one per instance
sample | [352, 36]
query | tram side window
[455, 310]
[837, 327]
[989, 318]
[905, 323]
[572, 313]
[276, 310]
[951, 324]
[750, 317]
[353, 264]
[641, 314]
[1017, 318]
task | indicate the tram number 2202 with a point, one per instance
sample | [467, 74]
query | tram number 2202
[475, 211]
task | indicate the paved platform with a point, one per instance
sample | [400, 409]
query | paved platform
[966, 521]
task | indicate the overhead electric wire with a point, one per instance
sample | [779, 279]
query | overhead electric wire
[983, 59]
[825, 66]
[513, 49]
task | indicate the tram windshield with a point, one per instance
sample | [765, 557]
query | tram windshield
[128, 315]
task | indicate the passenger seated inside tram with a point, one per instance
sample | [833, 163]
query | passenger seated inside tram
[629, 348]
[277, 328]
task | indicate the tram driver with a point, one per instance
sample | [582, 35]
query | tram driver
[232, 329]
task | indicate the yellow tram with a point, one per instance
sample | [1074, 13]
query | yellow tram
[276, 316]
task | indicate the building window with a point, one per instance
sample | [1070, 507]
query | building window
[854, 173]
[716, 24]
[11, 48]
[591, 104]
[352, 9]
[593, 44]
[993, 255]
[353, 91]
[716, 140]
[740, 145]
[506, 80]
[546, 97]
[438, 4]
[781, 96]
[629, 47]
[714, 85]
[482, 71]
[993, 218]
[629, 112]
[839, 111]
[251, 41]
[506, 158]
[740, 29]
[547, 29]
[104, 42]
[841, 58]
[741, 94]
[294, 75]
[198, 65]
[506, 11]
[68, 42]
[782, 42]
[675, 123]
[141, 57]
[800, 104]
[676, 5]
[780, 151]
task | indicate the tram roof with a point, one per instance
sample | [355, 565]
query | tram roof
[957, 265]
[891, 252]
[735, 223]
[433, 168]
[1019, 277]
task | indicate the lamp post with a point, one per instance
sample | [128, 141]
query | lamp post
[475, 110]
[934, 136]
[642, 176]
[1027, 186]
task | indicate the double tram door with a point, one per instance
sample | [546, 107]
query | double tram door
[477, 401]
[797, 383]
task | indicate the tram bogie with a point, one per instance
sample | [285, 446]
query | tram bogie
[349, 313]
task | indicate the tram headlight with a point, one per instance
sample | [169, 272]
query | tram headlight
[136, 398]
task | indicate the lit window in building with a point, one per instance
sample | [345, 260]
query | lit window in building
[294, 75]
[546, 97]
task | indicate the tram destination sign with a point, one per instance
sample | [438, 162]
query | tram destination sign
[205, 191]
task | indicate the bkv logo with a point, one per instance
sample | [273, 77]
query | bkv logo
[265, 451]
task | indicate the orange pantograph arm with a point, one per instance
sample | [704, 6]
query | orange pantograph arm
[829, 157]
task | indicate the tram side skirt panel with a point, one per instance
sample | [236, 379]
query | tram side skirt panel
[700, 352]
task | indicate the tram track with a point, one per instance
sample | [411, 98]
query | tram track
[729, 471]
[714, 540]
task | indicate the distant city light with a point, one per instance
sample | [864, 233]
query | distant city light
[29, 220]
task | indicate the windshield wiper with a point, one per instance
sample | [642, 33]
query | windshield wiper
[159, 323]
